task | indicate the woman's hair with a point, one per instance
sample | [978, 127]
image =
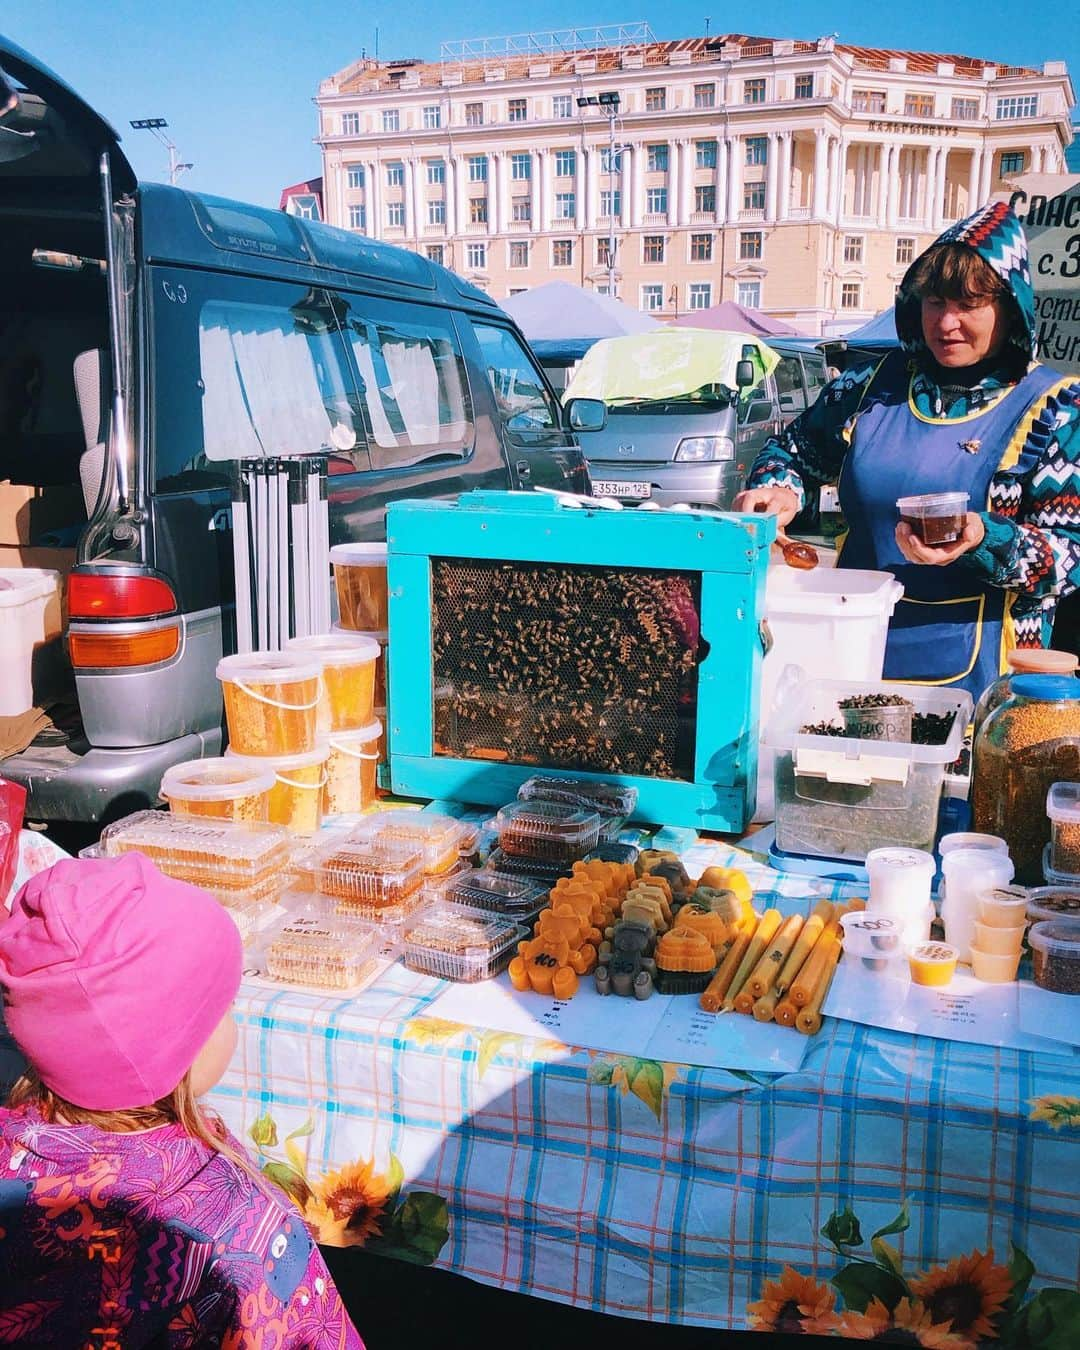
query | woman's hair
[955, 272]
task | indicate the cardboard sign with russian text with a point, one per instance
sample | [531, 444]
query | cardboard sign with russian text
[1052, 226]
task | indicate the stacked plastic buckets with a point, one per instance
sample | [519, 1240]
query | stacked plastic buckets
[363, 609]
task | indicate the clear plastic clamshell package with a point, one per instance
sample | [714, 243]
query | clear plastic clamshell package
[441, 838]
[606, 799]
[327, 951]
[455, 943]
[367, 878]
[549, 831]
[518, 898]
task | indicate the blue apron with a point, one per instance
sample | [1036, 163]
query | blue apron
[949, 628]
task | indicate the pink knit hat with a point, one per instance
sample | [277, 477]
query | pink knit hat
[114, 978]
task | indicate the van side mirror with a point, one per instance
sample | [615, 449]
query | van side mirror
[745, 375]
[585, 414]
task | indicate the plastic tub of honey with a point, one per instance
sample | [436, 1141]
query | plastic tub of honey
[351, 769]
[998, 941]
[271, 700]
[226, 789]
[994, 967]
[1055, 955]
[382, 665]
[296, 798]
[349, 662]
[937, 518]
[1063, 810]
[360, 580]
[1003, 907]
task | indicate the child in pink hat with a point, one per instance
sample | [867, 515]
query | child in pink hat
[128, 1217]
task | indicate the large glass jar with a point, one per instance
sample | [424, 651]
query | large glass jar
[1029, 742]
[1021, 661]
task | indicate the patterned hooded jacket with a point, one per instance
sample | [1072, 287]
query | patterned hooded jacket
[1032, 529]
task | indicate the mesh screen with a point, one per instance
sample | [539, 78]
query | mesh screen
[579, 667]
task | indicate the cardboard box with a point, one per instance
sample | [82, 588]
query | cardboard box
[27, 513]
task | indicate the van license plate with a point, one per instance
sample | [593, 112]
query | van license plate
[607, 487]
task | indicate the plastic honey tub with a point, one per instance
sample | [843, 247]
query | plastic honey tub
[351, 769]
[382, 668]
[360, 581]
[271, 701]
[226, 789]
[296, 798]
[349, 663]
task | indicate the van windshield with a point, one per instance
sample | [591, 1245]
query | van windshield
[709, 397]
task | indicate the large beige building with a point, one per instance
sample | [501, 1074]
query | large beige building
[796, 177]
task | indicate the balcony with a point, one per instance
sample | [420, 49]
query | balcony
[752, 213]
[702, 217]
[654, 218]
[435, 229]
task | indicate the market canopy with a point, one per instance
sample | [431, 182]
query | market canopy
[729, 316]
[880, 331]
[668, 363]
[563, 320]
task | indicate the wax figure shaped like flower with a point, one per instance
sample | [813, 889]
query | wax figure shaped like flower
[795, 1304]
[968, 1293]
[909, 1324]
[347, 1207]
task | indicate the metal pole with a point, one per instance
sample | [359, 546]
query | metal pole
[612, 111]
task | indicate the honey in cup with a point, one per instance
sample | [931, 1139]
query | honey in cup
[382, 666]
[351, 770]
[223, 789]
[270, 702]
[937, 518]
[349, 665]
[296, 798]
[360, 581]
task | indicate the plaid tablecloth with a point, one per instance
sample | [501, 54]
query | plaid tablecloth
[659, 1191]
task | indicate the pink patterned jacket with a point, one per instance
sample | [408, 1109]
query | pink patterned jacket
[125, 1241]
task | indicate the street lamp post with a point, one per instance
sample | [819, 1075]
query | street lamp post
[156, 125]
[609, 101]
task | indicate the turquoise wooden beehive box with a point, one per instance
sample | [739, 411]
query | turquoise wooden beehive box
[531, 632]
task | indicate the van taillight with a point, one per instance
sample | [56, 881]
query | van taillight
[110, 651]
[98, 596]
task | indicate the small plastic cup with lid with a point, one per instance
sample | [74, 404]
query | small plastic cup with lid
[900, 879]
[348, 660]
[873, 939]
[1063, 809]
[360, 581]
[1053, 902]
[932, 964]
[1055, 955]
[936, 518]
[222, 788]
[270, 701]
[997, 941]
[1003, 907]
[994, 967]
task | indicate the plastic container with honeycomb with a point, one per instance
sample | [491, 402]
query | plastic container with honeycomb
[296, 798]
[441, 838]
[351, 770]
[222, 788]
[370, 878]
[327, 952]
[347, 694]
[606, 799]
[271, 702]
[497, 893]
[360, 582]
[238, 861]
[550, 831]
[455, 943]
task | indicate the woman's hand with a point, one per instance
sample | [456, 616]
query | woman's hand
[915, 551]
[780, 502]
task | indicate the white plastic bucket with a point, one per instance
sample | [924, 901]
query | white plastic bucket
[296, 798]
[347, 694]
[360, 581]
[224, 789]
[270, 701]
[29, 617]
[351, 769]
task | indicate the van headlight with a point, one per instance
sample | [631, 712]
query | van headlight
[704, 449]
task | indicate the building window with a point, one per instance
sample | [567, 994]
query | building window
[391, 119]
[610, 202]
[750, 244]
[350, 124]
[565, 206]
[610, 163]
[354, 176]
[705, 198]
[395, 214]
[476, 257]
[804, 86]
[521, 166]
[656, 201]
[851, 295]
[965, 109]
[562, 253]
[652, 248]
[748, 294]
[603, 253]
[474, 114]
[1012, 161]
[704, 95]
[753, 197]
[517, 110]
[562, 105]
[905, 250]
[602, 288]
[478, 210]
[868, 100]
[753, 91]
[521, 209]
[757, 150]
[918, 105]
[701, 248]
[436, 212]
[432, 116]
[434, 253]
[565, 163]
[700, 294]
[655, 100]
[436, 171]
[1025, 105]
[519, 253]
[477, 168]
[853, 248]
[704, 154]
[652, 299]
[357, 218]
[395, 174]
[656, 158]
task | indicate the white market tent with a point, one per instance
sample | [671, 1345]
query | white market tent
[561, 321]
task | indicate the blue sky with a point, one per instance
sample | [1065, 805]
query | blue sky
[236, 81]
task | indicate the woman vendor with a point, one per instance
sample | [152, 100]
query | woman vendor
[961, 406]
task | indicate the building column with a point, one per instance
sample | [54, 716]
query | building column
[930, 178]
[974, 174]
[884, 158]
[461, 208]
[409, 197]
[821, 169]
[735, 178]
[834, 203]
[689, 164]
[592, 185]
[721, 180]
[772, 170]
[535, 209]
[637, 209]
[495, 163]
[448, 187]
[627, 158]
[673, 181]
[581, 180]
[986, 176]
[373, 200]
[545, 189]
[1040, 159]
[787, 147]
